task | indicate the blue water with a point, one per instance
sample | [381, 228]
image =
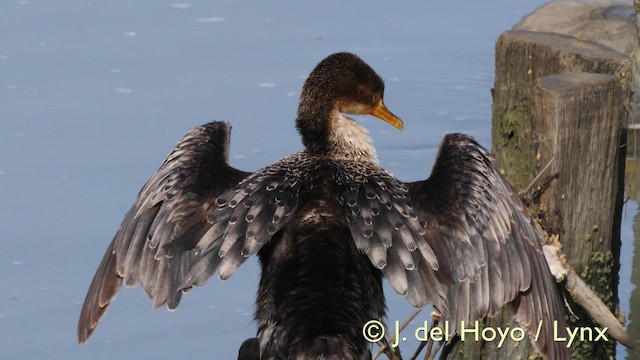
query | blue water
[93, 95]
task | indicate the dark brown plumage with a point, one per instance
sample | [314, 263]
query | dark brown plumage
[327, 223]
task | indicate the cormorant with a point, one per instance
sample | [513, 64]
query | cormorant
[327, 224]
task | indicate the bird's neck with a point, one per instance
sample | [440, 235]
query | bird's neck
[329, 134]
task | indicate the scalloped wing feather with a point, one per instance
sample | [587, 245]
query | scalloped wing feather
[385, 226]
[247, 216]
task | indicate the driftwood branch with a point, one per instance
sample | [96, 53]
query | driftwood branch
[581, 293]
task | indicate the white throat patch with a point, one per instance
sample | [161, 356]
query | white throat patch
[350, 140]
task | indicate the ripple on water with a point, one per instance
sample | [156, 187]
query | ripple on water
[180, 5]
[211, 19]
[122, 90]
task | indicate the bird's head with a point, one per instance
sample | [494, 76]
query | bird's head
[344, 82]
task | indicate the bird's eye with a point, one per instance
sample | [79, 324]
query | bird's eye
[376, 98]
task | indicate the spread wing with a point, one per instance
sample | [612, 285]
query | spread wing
[489, 253]
[168, 218]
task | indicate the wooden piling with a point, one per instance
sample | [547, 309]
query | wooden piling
[522, 57]
[580, 117]
[556, 97]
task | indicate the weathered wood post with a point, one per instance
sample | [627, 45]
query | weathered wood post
[581, 119]
[575, 118]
